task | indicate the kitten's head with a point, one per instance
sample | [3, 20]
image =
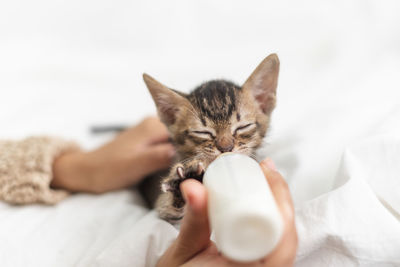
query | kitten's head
[219, 116]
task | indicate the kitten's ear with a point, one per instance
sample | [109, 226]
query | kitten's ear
[167, 100]
[263, 81]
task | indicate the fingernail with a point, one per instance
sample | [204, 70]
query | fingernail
[269, 164]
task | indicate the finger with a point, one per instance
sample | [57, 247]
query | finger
[158, 157]
[194, 234]
[284, 254]
[279, 189]
[158, 137]
[154, 130]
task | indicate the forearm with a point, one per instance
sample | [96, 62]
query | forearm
[73, 172]
[91, 172]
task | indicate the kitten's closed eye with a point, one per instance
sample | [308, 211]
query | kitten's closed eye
[244, 128]
[202, 134]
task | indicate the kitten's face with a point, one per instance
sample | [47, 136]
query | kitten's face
[219, 116]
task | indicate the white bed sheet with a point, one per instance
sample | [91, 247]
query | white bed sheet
[66, 66]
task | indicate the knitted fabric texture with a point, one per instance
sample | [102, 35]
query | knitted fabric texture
[26, 169]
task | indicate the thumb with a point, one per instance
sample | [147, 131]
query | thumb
[158, 157]
[194, 235]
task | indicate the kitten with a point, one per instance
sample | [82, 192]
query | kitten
[218, 116]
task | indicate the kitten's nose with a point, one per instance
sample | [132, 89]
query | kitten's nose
[224, 144]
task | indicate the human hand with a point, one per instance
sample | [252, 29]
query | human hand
[193, 246]
[129, 157]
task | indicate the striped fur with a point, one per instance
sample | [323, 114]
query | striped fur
[216, 117]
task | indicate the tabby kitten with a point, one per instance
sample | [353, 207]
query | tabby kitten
[218, 116]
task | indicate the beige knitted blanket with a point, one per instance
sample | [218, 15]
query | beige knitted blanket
[26, 169]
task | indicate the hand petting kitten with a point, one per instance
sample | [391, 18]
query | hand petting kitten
[216, 117]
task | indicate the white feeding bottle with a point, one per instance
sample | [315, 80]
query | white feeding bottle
[244, 217]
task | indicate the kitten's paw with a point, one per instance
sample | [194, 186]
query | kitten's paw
[172, 181]
[172, 196]
[194, 169]
[170, 208]
[171, 203]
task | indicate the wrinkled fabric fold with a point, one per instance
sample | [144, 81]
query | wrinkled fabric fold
[357, 224]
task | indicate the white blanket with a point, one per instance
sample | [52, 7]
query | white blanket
[356, 224]
[334, 134]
